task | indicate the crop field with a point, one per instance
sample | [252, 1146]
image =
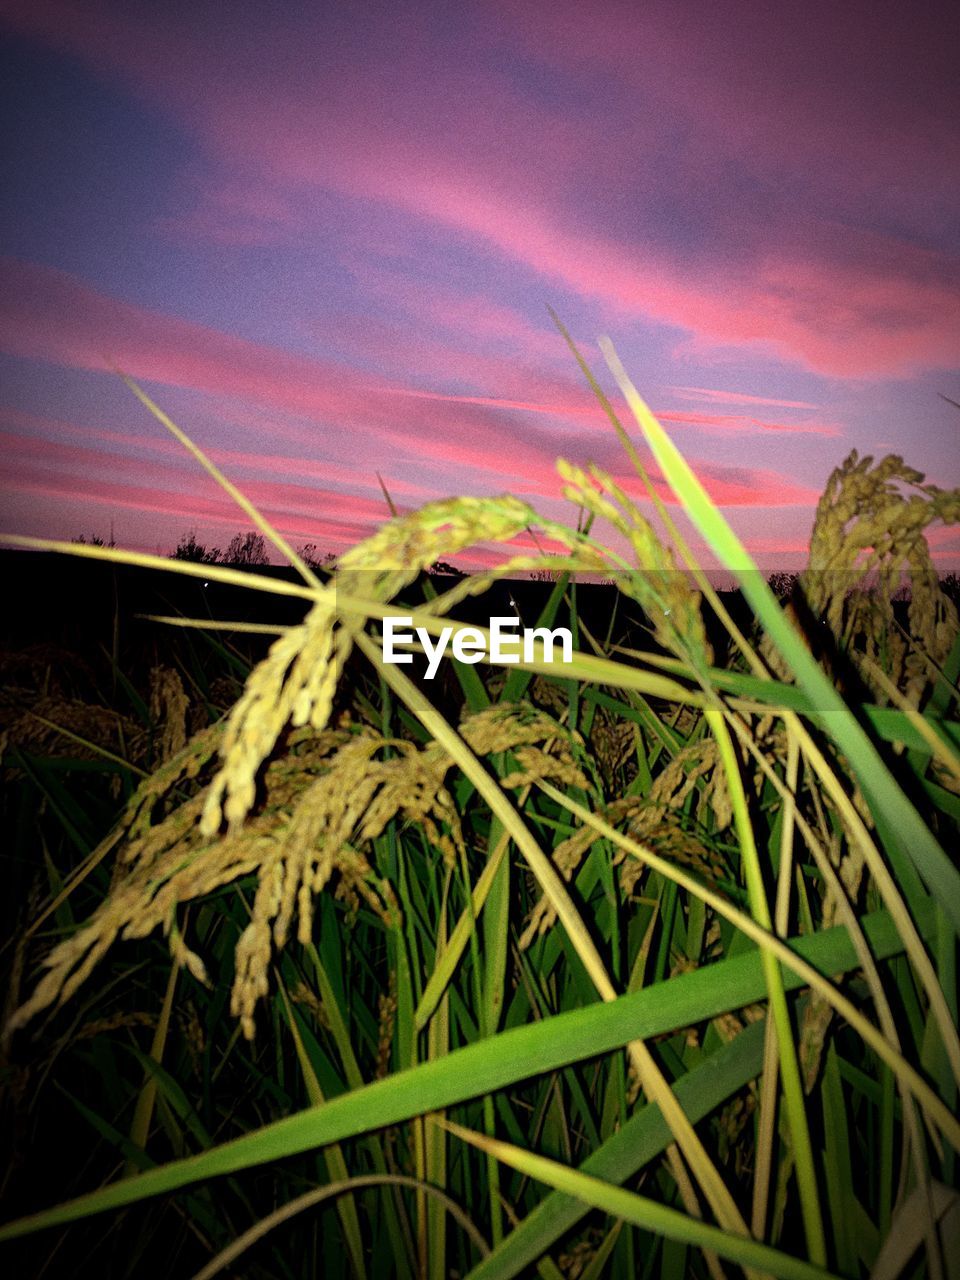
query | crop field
[642, 964]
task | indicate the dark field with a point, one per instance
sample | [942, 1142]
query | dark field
[145, 1064]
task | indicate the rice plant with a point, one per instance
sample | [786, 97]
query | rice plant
[643, 964]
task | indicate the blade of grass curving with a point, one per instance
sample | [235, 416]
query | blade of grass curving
[908, 1228]
[893, 901]
[500, 807]
[946, 689]
[391, 505]
[943, 1011]
[438, 1046]
[947, 967]
[75, 822]
[173, 1094]
[838, 1164]
[596, 1267]
[218, 624]
[644, 1212]
[516, 1054]
[88, 745]
[582, 666]
[77, 877]
[760, 693]
[340, 1034]
[185, 568]
[937, 747]
[701, 579]
[135, 1157]
[312, 1198]
[242, 501]
[639, 711]
[890, 893]
[450, 956]
[491, 970]
[911, 836]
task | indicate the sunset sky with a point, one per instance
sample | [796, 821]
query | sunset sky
[324, 237]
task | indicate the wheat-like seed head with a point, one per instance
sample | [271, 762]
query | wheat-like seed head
[866, 526]
[656, 819]
[325, 801]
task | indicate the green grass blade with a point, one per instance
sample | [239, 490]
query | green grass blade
[241, 499]
[484, 1067]
[644, 1212]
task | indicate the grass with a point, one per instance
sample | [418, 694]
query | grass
[642, 967]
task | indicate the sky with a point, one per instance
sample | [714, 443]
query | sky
[325, 237]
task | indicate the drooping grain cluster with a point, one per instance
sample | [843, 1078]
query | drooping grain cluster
[662, 819]
[868, 543]
[70, 727]
[169, 710]
[325, 801]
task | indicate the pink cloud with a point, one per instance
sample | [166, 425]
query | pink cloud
[117, 496]
[179, 488]
[738, 423]
[590, 412]
[853, 305]
[419, 357]
[732, 486]
[848, 318]
[854, 116]
[22, 455]
[778, 544]
[714, 396]
[49, 315]
[943, 535]
[345, 521]
[470, 315]
[40, 437]
[807, 284]
[231, 212]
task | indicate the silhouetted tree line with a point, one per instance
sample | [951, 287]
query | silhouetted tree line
[244, 549]
[251, 549]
